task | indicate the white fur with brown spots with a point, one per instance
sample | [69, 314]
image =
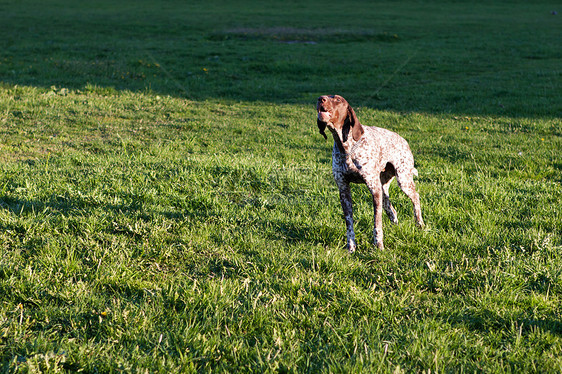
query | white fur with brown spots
[370, 155]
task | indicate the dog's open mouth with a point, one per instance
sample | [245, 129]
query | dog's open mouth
[324, 116]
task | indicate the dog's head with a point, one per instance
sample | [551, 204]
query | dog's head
[335, 113]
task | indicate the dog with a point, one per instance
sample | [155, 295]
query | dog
[370, 155]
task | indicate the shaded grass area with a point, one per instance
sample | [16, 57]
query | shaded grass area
[482, 58]
[152, 219]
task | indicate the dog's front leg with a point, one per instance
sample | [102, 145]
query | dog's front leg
[347, 207]
[375, 187]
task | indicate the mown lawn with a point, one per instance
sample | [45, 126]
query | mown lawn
[167, 204]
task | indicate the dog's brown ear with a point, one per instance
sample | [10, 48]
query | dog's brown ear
[356, 128]
[322, 128]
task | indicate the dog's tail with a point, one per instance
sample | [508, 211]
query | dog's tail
[415, 172]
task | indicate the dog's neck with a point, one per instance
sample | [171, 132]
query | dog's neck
[343, 140]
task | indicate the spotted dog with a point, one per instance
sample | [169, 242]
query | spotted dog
[370, 155]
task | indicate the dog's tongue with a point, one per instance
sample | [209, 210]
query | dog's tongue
[324, 116]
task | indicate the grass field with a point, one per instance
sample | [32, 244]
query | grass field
[167, 204]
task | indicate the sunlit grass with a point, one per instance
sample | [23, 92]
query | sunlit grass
[173, 210]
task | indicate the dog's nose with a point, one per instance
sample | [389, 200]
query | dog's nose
[322, 99]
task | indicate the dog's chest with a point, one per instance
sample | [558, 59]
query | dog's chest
[349, 167]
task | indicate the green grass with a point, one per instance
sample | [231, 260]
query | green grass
[167, 204]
